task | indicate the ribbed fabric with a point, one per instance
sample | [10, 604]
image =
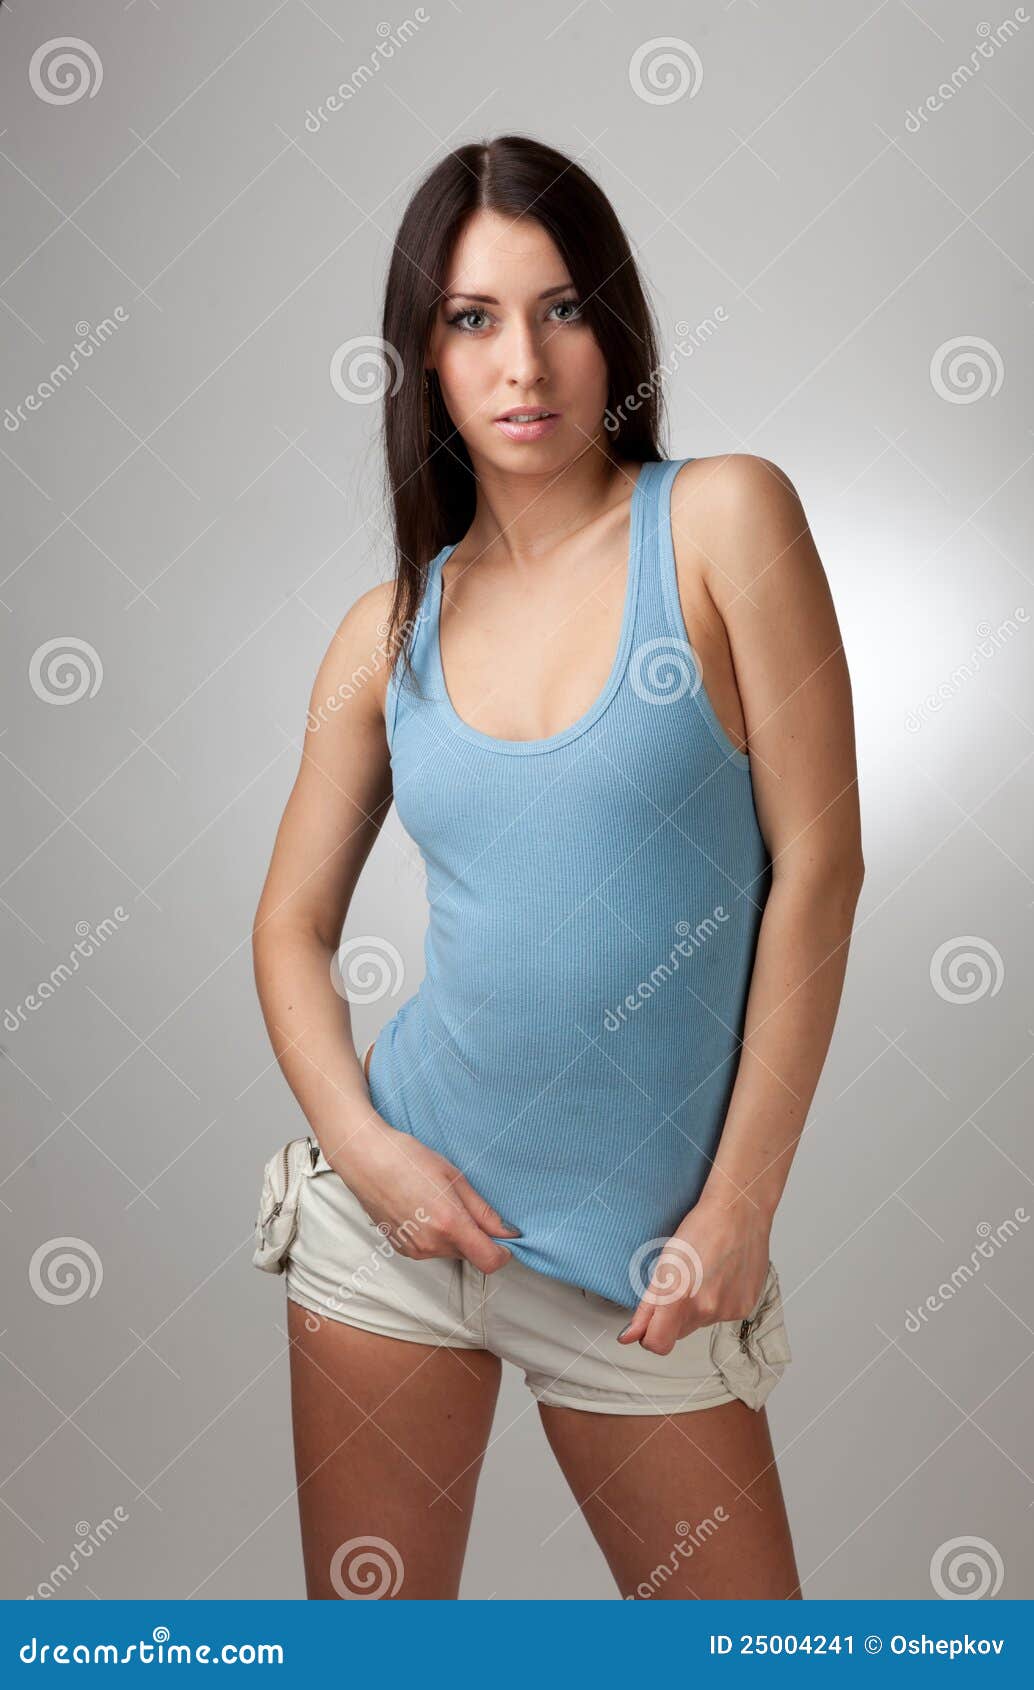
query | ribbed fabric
[594, 901]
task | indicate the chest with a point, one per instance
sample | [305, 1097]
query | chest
[528, 662]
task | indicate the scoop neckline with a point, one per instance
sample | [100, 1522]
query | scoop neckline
[525, 747]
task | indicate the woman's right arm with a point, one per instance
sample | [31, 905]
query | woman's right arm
[333, 815]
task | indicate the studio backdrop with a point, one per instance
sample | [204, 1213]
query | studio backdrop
[830, 208]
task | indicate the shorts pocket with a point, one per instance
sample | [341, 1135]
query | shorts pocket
[751, 1354]
[276, 1223]
[320, 1165]
[344, 1191]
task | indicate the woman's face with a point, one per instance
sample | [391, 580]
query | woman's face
[521, 345]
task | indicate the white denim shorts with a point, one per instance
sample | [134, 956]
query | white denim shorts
[563, 1337]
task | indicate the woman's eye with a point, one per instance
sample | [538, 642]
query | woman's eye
[461, 319]
[458, 321]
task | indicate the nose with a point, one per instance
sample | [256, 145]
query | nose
[524, 356]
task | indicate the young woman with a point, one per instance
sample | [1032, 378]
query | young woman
[607, 692]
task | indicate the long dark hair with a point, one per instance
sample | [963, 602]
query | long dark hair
[432, 489]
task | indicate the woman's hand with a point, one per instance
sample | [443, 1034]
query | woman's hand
[712, 1268]
[419, 1200]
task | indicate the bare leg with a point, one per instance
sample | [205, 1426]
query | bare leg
[389, 1437]
[642, 1480]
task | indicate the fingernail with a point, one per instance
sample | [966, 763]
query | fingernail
[511, 1228]
[624, 1329]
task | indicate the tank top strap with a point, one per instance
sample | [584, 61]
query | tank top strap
[657, 579]
[401, 696]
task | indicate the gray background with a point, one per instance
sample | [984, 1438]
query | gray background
[200, 507]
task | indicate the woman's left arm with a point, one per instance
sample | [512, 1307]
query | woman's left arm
[765, 578]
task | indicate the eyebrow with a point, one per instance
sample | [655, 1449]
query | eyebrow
[489, 299]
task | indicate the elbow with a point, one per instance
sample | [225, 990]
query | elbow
[273, 929]
[857, 869]
[845, 885]
[844, 875]
[835, 879]
[852, 873]
[257, 926]
[257, 935]
[264, 930]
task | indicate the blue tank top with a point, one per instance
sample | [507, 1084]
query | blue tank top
[594, 900]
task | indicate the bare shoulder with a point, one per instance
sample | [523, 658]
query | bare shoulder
[353, 674]
[342, 790]
[729, 478]
[739, 518]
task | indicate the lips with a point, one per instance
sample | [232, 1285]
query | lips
[528, 431]
[536, 413]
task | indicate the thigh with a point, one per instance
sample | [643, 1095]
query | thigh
[683, 1506]
[389, 1437]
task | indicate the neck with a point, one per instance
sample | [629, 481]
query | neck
[521, 516]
